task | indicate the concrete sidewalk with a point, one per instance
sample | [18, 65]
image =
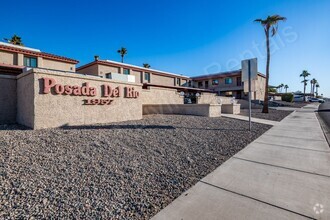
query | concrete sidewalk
[246, 118]
[284, 174]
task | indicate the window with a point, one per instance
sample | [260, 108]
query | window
[200, 84]
[30, 61]
[126, 71]
[228, 81]
[206, 84]
[178, 81]
[215, 82]
[147, 77]
[189, 83]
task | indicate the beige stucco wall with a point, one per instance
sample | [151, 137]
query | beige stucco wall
[91, 70]
[155, 95]
[212, 98]
[51, 110]
[138, 76]
[231, 108]
[207, 110]
[7, 99]
[25, 99]
[57, 65]
[8, 58]
[103, 70]
[162, 80]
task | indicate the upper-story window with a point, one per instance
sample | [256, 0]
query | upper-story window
[206, 84]
[147, 77]
[228, 80]
[30, 61]
[178, 81]
[215, 82]
[200, 84]
[126, 71]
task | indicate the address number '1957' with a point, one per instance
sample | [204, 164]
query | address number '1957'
[98, 101]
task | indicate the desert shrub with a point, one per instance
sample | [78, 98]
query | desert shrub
[287, 97]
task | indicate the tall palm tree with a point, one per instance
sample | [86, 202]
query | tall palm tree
[15, 39]
[317, 87]
[286, 88]
[305, 74]
[270, 25]
[314, 83]
[146, 65]
[281, 86]
[122, 51]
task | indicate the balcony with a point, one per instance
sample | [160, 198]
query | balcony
[121, 77]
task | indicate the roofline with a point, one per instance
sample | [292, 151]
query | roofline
[178, 87]
[133, 67]
[36, 53]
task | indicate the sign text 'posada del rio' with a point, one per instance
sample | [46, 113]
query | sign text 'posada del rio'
[107, 92]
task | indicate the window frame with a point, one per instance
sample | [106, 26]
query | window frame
[230, 82]
[215, 83]
[27, 60]
[128, 70]
[148, 76]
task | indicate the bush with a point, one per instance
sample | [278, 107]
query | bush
[287, 97]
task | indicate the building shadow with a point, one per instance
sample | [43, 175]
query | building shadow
[13, 127]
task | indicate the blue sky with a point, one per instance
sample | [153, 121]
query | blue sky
[185, 37]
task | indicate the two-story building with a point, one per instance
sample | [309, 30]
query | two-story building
[230, 84]
[126, 72]
[21, 56]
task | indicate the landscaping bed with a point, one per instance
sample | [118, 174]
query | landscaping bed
[127, 170]
[273, 115]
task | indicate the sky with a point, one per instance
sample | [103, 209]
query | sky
[180, 36]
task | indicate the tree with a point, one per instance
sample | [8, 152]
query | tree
[305, 74]
[281, 86]
[270, 25]
[314, 83]
[16, 40]
[317, 87]
[122, 51]
[286, 88]
[146, 65]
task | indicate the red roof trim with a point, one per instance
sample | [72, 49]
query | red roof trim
[130, 67]
[38, 54]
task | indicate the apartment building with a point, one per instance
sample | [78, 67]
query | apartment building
[19, 57]
[131, 73]
[230, 84]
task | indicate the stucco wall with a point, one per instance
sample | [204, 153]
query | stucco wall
[56, 65]
[162, 80]
[7, 99]
[55, 110]
[8, 58]
[25, 99]
[207, 110]
[156, 95]
[91, 70]
[103, 70]
[212, 98]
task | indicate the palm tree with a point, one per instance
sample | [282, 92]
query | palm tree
[286, 88]
[270, 24]
[317, 86]
[122, 51]
[16, 40]
[305, 74]
[146, 65]
[314, 83]
[281, 86]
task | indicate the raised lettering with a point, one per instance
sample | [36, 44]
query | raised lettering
[48, 84]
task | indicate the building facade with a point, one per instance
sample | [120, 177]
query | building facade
[42, 90]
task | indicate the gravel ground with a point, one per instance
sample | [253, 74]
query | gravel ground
[127, 170]
[293, 104]
[273, 115]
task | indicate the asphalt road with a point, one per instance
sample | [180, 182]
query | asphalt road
[324, 113]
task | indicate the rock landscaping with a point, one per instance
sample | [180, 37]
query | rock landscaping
[126, 170]
[273, 115]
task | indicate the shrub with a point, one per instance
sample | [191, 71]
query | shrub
[287, 97]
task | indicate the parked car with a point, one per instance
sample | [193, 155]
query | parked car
[298, 98]
[316, 100]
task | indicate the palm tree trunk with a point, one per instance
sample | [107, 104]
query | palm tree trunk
[122, 58]
[265, 107]
[304, 89]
